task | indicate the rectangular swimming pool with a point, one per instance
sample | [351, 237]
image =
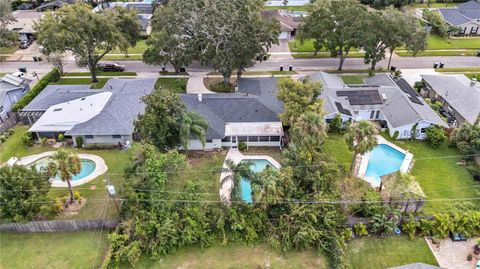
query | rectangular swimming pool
[383, 160]
[257, 166]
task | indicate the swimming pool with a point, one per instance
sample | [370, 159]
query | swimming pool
[87, 168]
[257, 166]
[383, 160]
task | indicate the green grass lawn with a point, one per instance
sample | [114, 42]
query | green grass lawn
[458, 70]
[403, 53]
[353, 54]
[109, 74]
[377, 253]
[177, 85]
[439, 175]
[122, 57]
[307, 46]
[337, 148]
[7, 50]
[138, 49]
[436, 42]
[353, 79]
[79, 81]
[433, 5]
[94, 190]
[52, 250]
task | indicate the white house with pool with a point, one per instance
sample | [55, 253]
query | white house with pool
[383, 98]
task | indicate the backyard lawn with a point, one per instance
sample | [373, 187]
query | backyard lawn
[439, 175]
[378, 253]
[94, 190]
[353, 79]
[52, 250]
[177, 85]
[337, 148]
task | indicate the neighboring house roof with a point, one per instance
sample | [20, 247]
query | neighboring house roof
[417, 265]
[459, 92]
[10, 83]
[220, 109]
[141, 7]
[54, 4]
[463, 13]
[385, 94]
[24, 21]
[115, 116]
[289, 20]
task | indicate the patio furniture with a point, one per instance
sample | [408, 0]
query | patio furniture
[456, 237]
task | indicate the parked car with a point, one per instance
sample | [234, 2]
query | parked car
[24, 44]
[111, 67]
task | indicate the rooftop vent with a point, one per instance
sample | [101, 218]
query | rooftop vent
[384, 97]
[57, 109]
[83, 98]
[473, 82]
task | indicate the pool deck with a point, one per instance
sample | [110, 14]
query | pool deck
[100, 167]
[404, 167]
[236, 157]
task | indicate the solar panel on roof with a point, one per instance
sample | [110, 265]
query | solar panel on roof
[16, 81]
[406, 88]
[342, 110]
[362, 97]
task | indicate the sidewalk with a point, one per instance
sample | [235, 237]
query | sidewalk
[195, 83]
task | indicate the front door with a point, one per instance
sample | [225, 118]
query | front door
[234, 142]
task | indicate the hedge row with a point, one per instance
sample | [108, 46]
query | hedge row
[52, 76]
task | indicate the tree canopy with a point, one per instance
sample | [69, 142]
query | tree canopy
[8, 38]
[23, 191]
[467, 138]
[87, 35]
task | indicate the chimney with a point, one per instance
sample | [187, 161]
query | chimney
[199, 97]
[473, 83]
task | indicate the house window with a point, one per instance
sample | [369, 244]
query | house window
[226, 139]
[274, 138]
[356, 112]
[474, 31]
[253, 139]
[89, 137]
[377, 115]
[372, 113]
[463, 31]
[1, 109]
[208, 141]
[264, 138]
[422, 131]
[242, 139]
[116, 136]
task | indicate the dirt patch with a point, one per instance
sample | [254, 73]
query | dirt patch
[196, 157]
[75, 207]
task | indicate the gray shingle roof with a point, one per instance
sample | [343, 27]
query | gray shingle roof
[55, 94]
[464, 13]
[11, 83]
[122, 109]
[218, 109]
[456, 90]
[397, 108]
[265, 89]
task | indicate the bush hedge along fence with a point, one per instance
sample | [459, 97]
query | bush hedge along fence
[52, 76]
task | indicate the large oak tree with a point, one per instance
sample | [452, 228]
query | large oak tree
[87, 35]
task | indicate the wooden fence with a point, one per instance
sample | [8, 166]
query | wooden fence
[8, 123]
[58, 226]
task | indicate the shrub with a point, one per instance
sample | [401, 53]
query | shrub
[77, 196]
[11, 132]
[360, 229]
[52, 76]
[61, 137]
[3, 138]
[242, 146]
[410, 228]
[336, 124]
[436, 136]
[395, 135]
[27, 140]
[347, 234]
[100, 146]
[79, 141]
[43, 141]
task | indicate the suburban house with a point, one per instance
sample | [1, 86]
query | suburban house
[465, 17]
[383, 98]
[53, 5]
[249, 115]
[12, 88]
[460, 96]
[24, 22]
[144, 12]
[104, 116]
[289, 21]
[288, 3]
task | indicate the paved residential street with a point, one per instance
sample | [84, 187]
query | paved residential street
[272, 64]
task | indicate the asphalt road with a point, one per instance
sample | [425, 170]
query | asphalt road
[273, 64]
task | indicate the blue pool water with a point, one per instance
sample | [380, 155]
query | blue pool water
[87, 167]
[256, 166]
[383, 160]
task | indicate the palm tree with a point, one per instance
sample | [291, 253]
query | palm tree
[360, 139]
[267, 189]
[192, 125]
[65, 165]
[309, 129]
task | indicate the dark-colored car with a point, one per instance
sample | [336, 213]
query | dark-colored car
[24, 44]
[111, 67]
